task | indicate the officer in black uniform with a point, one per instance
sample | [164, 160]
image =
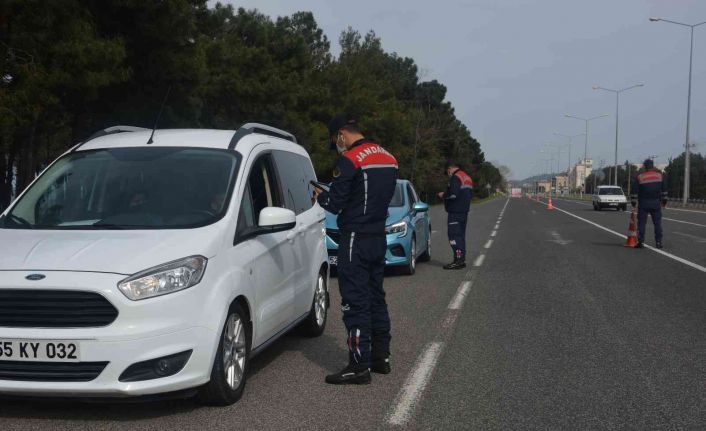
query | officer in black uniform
[457, 202]
[364, 182]
[649, 193]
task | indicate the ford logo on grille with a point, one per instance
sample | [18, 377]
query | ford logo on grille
[36, 277]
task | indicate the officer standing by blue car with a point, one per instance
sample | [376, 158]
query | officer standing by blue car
[364, 182]
[649, 193]
[457, 202]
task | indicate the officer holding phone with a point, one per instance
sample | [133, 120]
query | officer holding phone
[364, 182]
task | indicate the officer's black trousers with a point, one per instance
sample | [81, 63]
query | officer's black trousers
[457, 234]
[361, 268]
[643, 210]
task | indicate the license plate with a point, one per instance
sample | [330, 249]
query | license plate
[39, 351]
[613, 204]
[333, 260]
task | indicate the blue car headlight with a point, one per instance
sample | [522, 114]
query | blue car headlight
[399, 228]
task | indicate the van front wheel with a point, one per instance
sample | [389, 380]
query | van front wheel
[231, 363]
[315, 323]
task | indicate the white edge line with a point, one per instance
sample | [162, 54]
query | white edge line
[413, 387]
[479, 260]
[493, 233]
[662, 252]
[682, 221]
[457, 301]
[489, 243]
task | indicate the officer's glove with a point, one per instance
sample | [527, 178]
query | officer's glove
[633, 204]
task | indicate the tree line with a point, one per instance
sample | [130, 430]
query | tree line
[71, 67]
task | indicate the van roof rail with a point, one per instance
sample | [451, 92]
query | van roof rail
[263, 129]
[110, 131]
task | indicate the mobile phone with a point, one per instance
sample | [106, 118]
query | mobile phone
[319, 185]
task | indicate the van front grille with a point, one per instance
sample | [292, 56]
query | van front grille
[50, 371]
[30, 308]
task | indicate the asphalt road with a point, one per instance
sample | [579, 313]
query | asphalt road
[556, 326]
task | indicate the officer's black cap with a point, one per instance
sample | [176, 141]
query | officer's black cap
[339, 121]
[648, 163]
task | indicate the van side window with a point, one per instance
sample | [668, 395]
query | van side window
[261, 191]
[295, 173]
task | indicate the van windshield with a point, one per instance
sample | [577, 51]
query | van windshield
[610, 191]
[129, 188]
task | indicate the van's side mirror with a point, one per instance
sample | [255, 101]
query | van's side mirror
[421, 207]
[274, 219]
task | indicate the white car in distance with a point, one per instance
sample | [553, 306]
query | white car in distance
[137, 266]
[609, 197]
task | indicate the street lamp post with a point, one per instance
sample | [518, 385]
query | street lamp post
[687, 167]
[617, 107]
[585, 146]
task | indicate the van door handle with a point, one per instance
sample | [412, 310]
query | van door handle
[301, 230]
[290, 235]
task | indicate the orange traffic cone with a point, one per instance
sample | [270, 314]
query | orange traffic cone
[550, 206]
[632, 231]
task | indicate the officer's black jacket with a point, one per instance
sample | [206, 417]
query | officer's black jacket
[649, 187]
[364, 182]
[457, 198]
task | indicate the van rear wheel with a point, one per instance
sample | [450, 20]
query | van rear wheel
[230, 365]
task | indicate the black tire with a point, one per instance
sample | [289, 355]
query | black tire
[313, 325]
[411, 266]
[595, 207]
[218, 392]
[426, 256]
[599, 208]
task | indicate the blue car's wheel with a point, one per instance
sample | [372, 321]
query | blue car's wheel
[412, 262]
[426, 256]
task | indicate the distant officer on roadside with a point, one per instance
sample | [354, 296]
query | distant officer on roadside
[364, 182]
[649, 193]
[457, 202]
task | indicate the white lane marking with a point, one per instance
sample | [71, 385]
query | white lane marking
[433, 231]
[489, 243]
[662, 252]
[685, 222]
[688, 211]
[415, 384]
[497, 226]
[493, 233]
[457, 301]
[479, 260]
[558, 239]
[694, 237]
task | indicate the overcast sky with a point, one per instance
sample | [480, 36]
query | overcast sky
[515, 67]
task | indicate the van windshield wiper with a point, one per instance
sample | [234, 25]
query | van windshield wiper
[19, 220]
[100, 225]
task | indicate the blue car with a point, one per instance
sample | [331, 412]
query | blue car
[408, 230]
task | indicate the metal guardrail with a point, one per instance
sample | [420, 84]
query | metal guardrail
[691, 203]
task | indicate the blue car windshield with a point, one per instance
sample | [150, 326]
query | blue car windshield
[398, 198]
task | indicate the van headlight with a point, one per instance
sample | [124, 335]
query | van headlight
[163, 279]
[399, 227]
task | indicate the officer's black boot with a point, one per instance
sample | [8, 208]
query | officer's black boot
[640, 245]
[381, 366]
[350, 376]
[456, 264]
[659, 244]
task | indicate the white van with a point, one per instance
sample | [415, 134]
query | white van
[138, 265]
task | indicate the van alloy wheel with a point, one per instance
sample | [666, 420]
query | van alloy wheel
[320, 300]
[234, 351]
[315, 323]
